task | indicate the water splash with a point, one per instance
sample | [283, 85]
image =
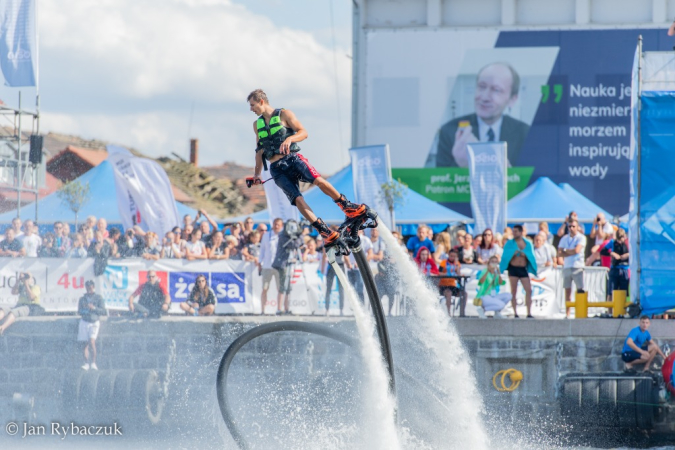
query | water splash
[450, 372]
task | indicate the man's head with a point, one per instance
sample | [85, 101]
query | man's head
[517, 231]
[16, 224]
[257, 100]
[573, 226]
[374, 233]
[115, 233]
[422, 232]
[277, 225]
[261, 228]
[58, 228]
[644, 323]
[90, 286]
[28, 227]
[152, 277]
[9, 234]
[497, 87]
[187, 219]
[205, 227]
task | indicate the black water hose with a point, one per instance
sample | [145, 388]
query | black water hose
[378, 314]
[226, 361]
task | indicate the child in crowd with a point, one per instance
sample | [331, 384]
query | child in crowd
[77, 250]
[448, 286]
[251, 251]
[425, 262]
[311, 255]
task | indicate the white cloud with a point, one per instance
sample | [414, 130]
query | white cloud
[127, 71]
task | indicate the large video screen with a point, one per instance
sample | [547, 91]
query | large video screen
[559, 99]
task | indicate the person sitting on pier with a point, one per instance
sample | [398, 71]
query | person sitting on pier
[638, 348]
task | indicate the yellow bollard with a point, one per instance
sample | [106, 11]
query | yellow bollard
[581, 305]
[618, 303]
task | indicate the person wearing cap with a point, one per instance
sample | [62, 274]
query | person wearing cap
[91, 307]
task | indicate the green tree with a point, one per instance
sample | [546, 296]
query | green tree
[73, 195]
[393, 194]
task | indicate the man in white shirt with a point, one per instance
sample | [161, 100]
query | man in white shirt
[353, 270]
[571, 249]
[268, 250]
[31, 241]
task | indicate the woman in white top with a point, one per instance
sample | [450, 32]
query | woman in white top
[541, 252]
[488, 248]
[311, 255]
[195, 248]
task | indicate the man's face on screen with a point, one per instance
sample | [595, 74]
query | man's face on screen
[493, 92]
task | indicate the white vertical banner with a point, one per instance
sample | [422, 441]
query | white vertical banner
[277, 203]
[487, 178]
[144, 194]
[371, 168]
[18, 42]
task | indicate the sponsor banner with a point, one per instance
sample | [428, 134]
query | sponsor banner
[18, 42]
[151, 209]
[487, 176]
[371, 169]
[451, 184]
[238, 286]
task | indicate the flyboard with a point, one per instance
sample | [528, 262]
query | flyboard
[349, 242]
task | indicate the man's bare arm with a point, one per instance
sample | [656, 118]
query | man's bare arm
[258, 154]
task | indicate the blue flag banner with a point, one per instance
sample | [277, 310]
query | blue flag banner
[18, 42]
[487, 179]
[371, 168]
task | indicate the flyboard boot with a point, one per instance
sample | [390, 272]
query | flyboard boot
[359, 217]
[331, 238]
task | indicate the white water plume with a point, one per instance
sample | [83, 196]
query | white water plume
[451, 372]
[381, 405]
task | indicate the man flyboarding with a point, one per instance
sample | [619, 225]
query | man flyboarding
[277, 133]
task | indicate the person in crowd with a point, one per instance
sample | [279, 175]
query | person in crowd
[126, 245]
[459, 239]
[47, 249]
[101, 250]
[31, 241]
[195, 248]
[11, 247]
[262, 229]
[90, 222]
[542, 255]
[91, 307]
[77, 251]
[378, 246]
[499, 240]
[251, 252]
[353, 273]
[310, 254]
[638, 348]
[466, 253]
[450, 267]
[319, 243]
[268, 250]
[488, 297]
[543, 228]
[563, 230]
[16, 225]
[62, 241]
[188, 220]
[425, 262]
[488, 248]
[248, 227]
[236, 232]
[210, 226]
[519, 260]
[153, 298]
[477, 241]
[430, 233]
[113, 239]
[151, 251]
[497, 89]
[205, 228]
[507, 235]
[601, 230]
[571, 248]
[619, 274]
[597, 256]
[170, 250]
[420, 240]
[202, 299]
[233, 248]
[102, 226]
[332, 277]
[187, 231]
[218, 249]
[442, 244]
[28, 303]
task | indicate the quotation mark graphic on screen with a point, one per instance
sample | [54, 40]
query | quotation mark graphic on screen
[546, 92]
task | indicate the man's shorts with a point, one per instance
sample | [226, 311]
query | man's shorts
[575, 274]
[631, 355]
[518, 272]
[618, 279]
[267, 275]
[289, 171]
[19, 311]
[285, 275]
[88, 330]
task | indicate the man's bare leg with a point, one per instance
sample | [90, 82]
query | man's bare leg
[263, 300]
[327, 188]
[527, 285]
[568, 295]
[448, 301]
[280, 302]
[305, 210]
[513, 281]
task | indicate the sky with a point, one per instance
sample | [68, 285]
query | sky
[151, 74]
